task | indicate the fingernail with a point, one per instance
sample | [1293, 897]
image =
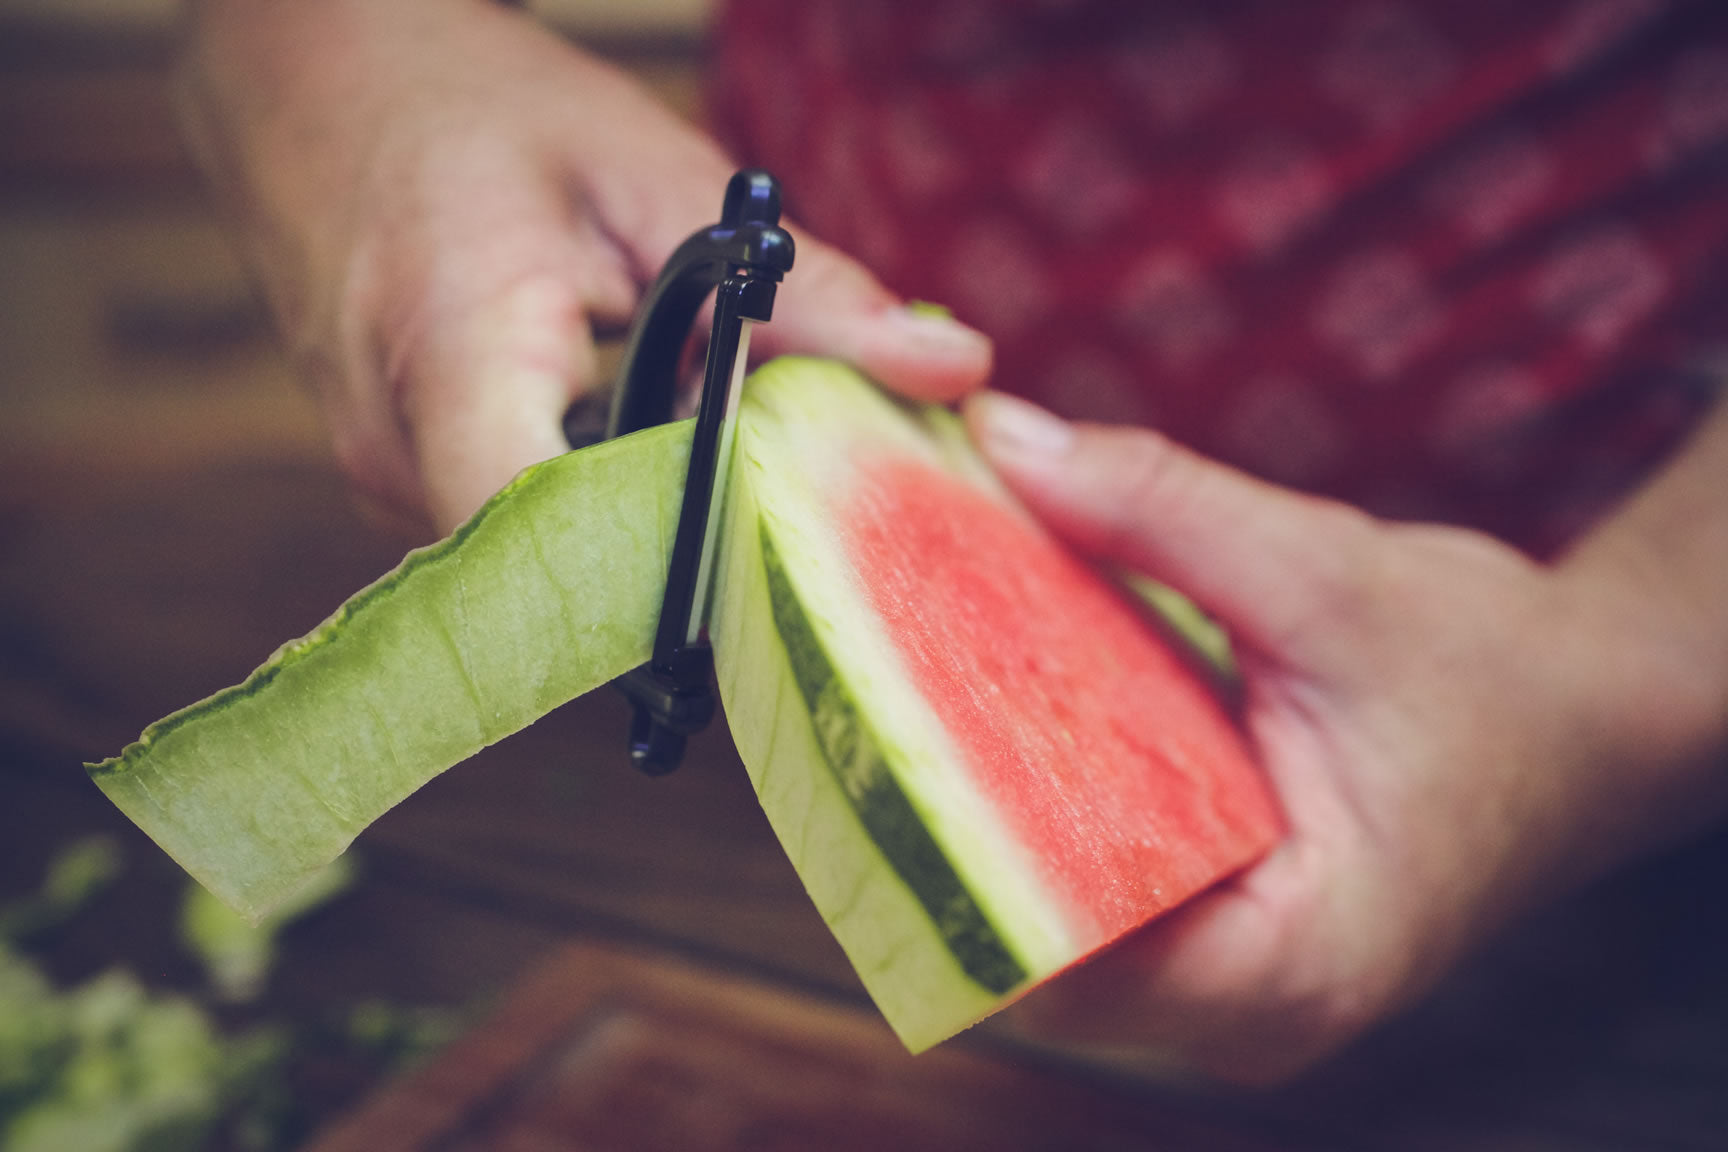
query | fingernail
[1015, 430]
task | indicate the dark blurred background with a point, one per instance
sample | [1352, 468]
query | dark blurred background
[169, 514]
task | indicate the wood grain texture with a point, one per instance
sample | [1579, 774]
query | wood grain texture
[607, 1048]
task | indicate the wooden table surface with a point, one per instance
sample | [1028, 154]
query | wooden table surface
[169, 514]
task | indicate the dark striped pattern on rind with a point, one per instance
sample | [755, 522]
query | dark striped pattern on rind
[852, 755]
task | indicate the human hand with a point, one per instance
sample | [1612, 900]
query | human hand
[445, 201]
[1455, 733]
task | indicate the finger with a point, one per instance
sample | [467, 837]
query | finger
[489, 393]
[1121, 1003]
[370, 445]
[1250, 982]
[1144, 996]
[831, 306]
[1267, 972]
[1275, 565]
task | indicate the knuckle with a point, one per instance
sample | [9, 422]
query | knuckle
[1345, 568]
[359, 456]
[1314, 981]
[1137, 482]
[1343, 574]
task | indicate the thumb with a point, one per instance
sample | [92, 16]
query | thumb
[486, 395]
[1258, 556]
[832, 306]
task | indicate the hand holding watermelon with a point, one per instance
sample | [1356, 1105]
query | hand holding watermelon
[445, 200]
[1455, 731]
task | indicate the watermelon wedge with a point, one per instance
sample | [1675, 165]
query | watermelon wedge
[982, 761]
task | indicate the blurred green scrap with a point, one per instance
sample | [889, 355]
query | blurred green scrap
[236, 953]
[110, 1066]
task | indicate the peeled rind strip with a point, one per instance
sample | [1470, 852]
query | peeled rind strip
[550, 590]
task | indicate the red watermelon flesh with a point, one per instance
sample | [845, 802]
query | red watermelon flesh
[1105, 753]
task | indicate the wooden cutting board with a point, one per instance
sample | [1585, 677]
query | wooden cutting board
[604, 1048]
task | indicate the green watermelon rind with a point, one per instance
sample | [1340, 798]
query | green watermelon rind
[853, 753]
[255, 789]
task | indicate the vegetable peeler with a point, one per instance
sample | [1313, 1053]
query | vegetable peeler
[741, 259]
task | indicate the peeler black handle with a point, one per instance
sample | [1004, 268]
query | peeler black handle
[747, 242]
[741, 259]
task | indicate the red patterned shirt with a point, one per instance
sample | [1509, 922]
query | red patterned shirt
[1444, 260]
